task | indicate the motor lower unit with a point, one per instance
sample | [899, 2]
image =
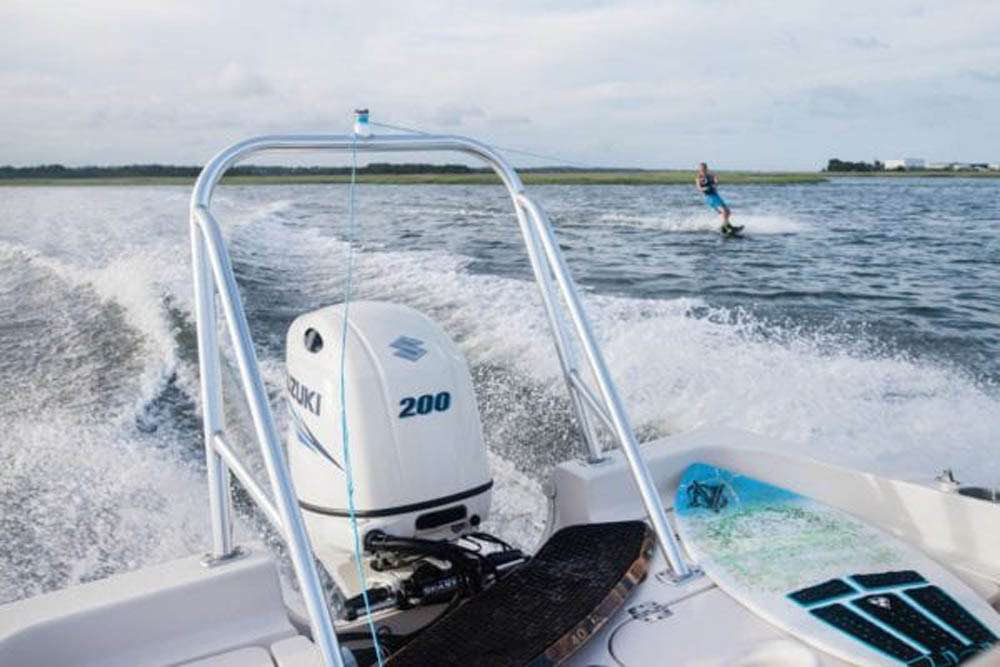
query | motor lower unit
[414, 438]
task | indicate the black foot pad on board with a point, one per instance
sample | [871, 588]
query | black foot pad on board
[865, 631]
[887, 579]
[828, 590]
[941, 605]
[542, 612]
[907, 621]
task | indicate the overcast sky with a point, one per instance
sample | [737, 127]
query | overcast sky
[740, 84]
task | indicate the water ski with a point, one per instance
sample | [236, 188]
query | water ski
[827, 578]
[731, 231]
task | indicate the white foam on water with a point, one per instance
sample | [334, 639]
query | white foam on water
[518, 511]
[765, 224]
[140, 282]
[82, 501]
[706, 221]
[669, 222]
[86, 493]
[839, 400]
[233, 212]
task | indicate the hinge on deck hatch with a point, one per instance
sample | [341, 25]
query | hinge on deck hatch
[650, 612]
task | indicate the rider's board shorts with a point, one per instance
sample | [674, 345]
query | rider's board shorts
[715, 202]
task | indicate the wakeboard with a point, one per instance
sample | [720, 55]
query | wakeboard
[732, 231]
[542, 612]
[826, 577]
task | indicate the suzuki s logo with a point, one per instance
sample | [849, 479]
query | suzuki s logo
[410, 349]
[304, 396]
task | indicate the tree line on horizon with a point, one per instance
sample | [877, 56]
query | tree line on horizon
[165, 170]
[58, 171]
[842, 165]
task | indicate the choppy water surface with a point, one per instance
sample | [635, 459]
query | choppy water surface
[858, 319]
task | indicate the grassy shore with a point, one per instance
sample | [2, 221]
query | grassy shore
[529, 178]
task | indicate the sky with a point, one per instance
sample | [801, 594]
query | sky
[754, 84]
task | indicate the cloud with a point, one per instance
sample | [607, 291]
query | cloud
[453, 115]
[630, 82]
[236, 81]
[785, 39]
[623, 92]
[868, 43]
[15, 85]
[834, 101]
[510, 119]
[982, 76]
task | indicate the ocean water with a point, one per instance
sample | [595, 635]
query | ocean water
[858, 321]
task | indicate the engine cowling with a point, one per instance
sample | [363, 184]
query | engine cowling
[415, 440]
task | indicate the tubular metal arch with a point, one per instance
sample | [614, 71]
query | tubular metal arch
[214, 278]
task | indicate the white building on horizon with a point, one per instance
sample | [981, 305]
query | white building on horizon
[905, 163]
[963, 166]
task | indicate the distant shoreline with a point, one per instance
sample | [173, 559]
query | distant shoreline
[532, 177]
[915, 173]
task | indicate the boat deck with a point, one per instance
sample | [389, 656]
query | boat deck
[177, 613]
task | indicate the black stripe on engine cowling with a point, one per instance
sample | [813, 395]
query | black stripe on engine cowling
[400, 509]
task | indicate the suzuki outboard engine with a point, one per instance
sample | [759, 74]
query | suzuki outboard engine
[417, 454]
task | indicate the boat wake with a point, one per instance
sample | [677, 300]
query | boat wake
[102, 471]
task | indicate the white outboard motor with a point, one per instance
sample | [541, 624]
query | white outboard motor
[418, 459]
